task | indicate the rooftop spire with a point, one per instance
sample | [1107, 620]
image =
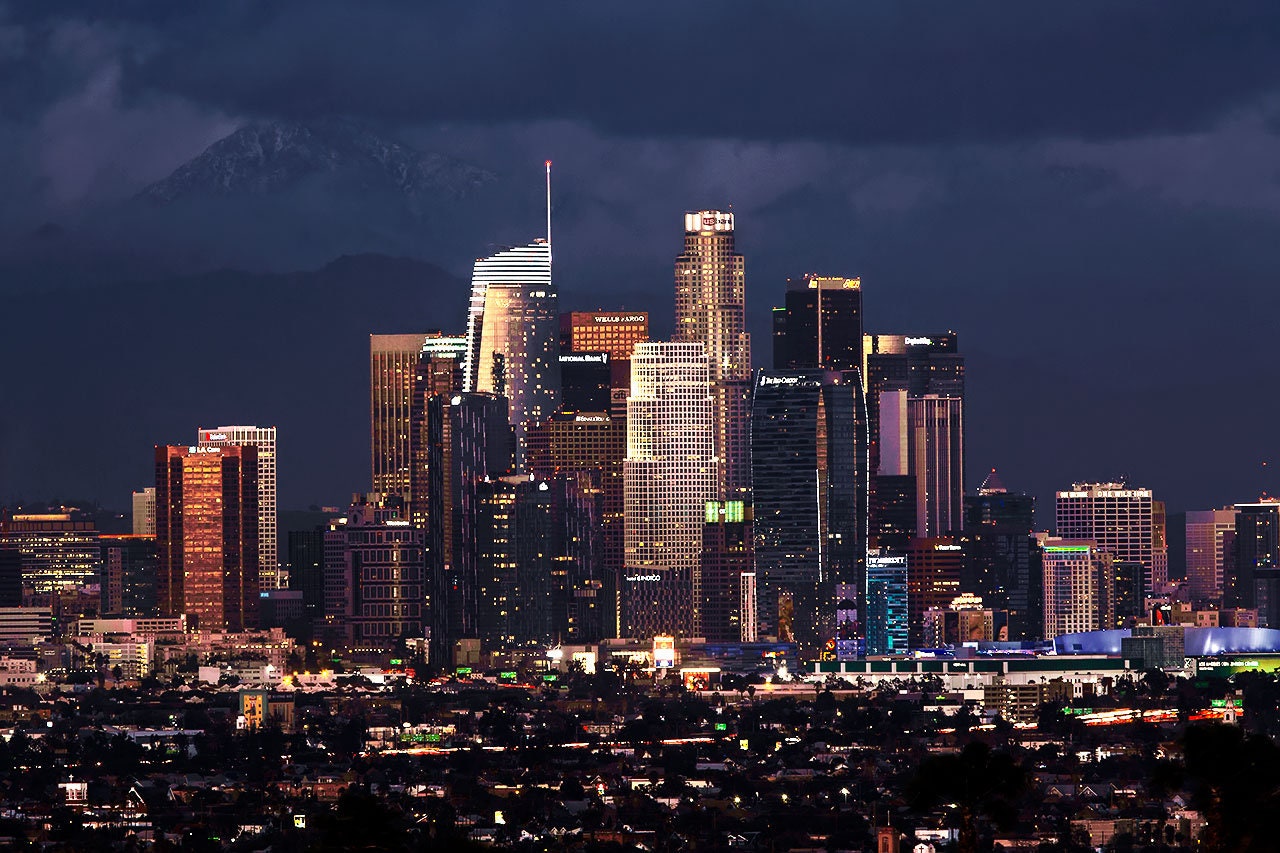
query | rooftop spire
[992, 485]
[548, 207]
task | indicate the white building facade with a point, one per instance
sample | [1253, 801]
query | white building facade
[270, 575]
[669, 475]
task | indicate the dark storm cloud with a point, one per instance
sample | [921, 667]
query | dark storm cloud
[852, 73]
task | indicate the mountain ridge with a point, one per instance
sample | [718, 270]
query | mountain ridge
[264, 157]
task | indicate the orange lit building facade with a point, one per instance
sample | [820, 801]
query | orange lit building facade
[616, 333]
[207, 535]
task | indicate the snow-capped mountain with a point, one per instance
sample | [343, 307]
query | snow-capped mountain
[264, 158]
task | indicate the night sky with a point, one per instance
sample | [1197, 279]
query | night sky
[1087, 193]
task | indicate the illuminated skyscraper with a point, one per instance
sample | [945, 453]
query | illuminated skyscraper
[1118, 519]
[263, 438]
[801, 342]
[1078, 585]
[710, 309]
[469, 441]
[612, 332]
[207, 535]
[439, 373]
[809, 486]
[373, 575]
[936, 452]
[393, 370]
[513, 335]
[59, 551]
[668, 477]
[886, 620]
[934, 566]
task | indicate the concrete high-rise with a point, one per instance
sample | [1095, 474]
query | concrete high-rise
[1078, 585]
[935, 448]
[373, 583]
[144, 512]
[711, 310]
[207, 535]
[1206, 530]
[393, 370]
[809, 486]
[264, 439]
[1118, 519]
[669, 475]
[801, 341]
[58, 551]
[513, 336]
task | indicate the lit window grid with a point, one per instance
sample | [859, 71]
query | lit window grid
[263, 438]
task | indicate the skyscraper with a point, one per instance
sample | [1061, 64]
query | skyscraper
[935, 446]
[801, 342]
[469, 440]
[1255, 581]
[669, 475]
[934, 567]
[1206, 530]
[59, 551]
[582, 455]
[1078, 585]
[612, 332]
[726, 557]
[207, 535]
[710, 309]
[809, 486]
[393, 370]
[886, 620]
[144, 512]
[439, 373]
[1118, 519]
[513, 336]
[585, 382]
[373, 574]
[902, 369]
[1003, 567]
[263, 438]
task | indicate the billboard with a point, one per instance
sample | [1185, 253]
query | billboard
[664, 651]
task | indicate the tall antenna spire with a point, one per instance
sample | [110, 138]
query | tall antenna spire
[548, 207]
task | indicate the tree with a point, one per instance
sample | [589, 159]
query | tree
[983, 784]
[1234, 780]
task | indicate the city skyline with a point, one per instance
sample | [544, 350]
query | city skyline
[884, 460]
